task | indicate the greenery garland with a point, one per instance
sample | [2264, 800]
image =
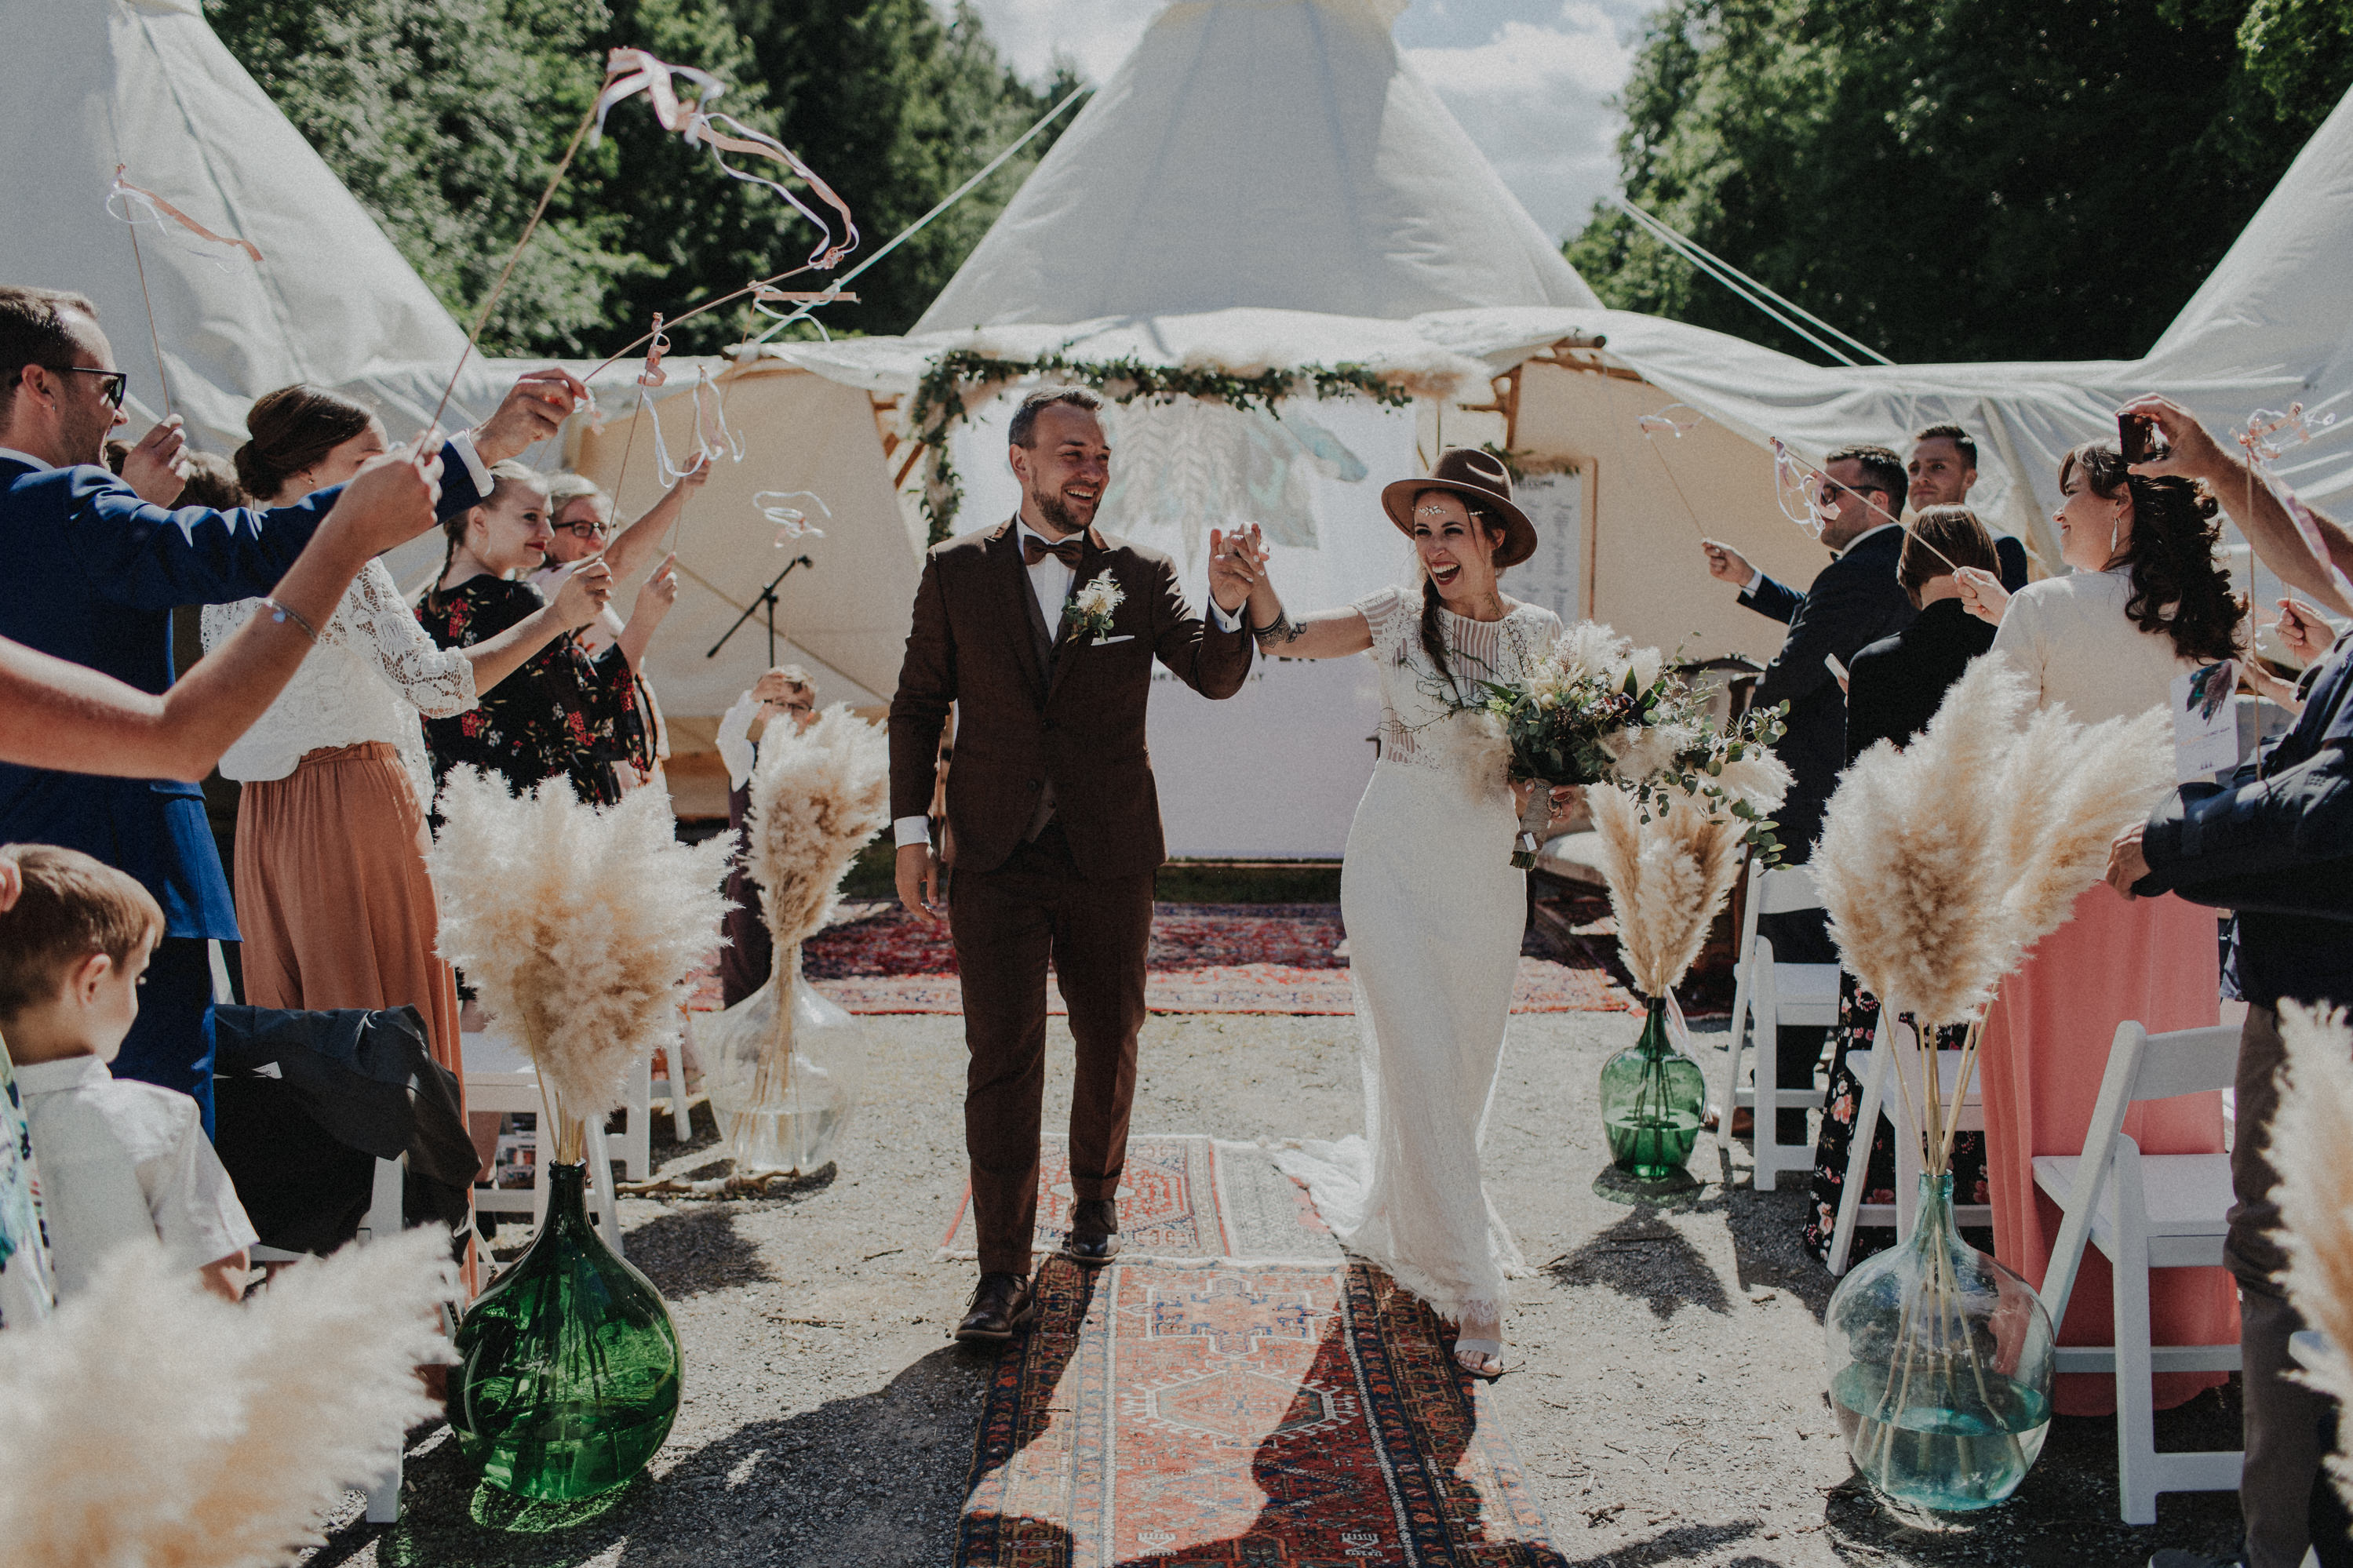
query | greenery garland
[944, 397]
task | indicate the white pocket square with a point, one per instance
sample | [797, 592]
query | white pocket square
[1107, 642]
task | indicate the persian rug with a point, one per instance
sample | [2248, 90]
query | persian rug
[1309, 1415]
[1182, 1198]
[1204, 958]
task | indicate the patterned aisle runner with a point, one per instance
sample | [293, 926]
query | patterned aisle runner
[1185, 1405]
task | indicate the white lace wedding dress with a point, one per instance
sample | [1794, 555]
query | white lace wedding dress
[1434, 912]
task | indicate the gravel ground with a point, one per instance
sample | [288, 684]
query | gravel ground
[1667, 1398]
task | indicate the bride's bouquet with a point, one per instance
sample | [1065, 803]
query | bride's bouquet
[1597, 710]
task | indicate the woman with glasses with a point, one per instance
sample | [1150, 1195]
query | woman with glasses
[2146, 602]
[331, 892]
[580, 519]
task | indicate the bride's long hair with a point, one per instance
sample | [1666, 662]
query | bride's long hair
[1433, 631]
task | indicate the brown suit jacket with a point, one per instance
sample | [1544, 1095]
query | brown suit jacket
[1074, 717]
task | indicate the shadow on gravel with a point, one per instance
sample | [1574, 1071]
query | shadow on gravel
[1684, 1543]
[1646, 1260]
[873, 1480]
[690, 1252]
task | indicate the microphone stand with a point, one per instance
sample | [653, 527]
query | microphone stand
[768, 596]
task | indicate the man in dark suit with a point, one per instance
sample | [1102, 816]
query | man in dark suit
[1943, 471]
[1854, 601]
[95, 567]
[1053, 824]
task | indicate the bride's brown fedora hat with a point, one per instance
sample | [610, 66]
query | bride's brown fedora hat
[1480, 478]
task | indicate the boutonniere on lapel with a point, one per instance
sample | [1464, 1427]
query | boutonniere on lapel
[1092, 607]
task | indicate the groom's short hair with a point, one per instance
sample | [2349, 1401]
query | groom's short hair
[1023, 431]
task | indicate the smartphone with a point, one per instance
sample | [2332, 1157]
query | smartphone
[2137, 434]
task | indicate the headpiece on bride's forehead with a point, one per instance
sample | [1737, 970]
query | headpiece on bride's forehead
[1481, 479]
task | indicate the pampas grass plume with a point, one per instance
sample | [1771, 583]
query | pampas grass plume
[817, 795]
[1667, 877]
[577, 926]
[151, 1424]
[2312, 1150]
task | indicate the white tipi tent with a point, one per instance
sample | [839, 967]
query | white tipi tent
[1273, 156]
[144, 83]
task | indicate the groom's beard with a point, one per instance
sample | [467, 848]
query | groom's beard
[1052, 509]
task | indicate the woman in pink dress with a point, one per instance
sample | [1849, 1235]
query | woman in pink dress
[2146, 600]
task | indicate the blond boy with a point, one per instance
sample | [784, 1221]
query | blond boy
[118, 1159]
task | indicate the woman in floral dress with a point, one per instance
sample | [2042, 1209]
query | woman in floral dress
[554, 716]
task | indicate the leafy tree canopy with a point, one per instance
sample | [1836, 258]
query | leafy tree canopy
[446, 117]
[1960, 179]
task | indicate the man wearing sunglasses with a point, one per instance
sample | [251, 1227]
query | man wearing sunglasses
[1853, 602]
[96, 565]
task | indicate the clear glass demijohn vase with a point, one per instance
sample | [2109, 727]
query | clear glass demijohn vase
[783, 1074]
[570, 1371]
[1652, 1098]
[1940, 1363]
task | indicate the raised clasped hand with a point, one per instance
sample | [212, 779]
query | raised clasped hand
[157, 468]
[585, 589]
[1237, 564]
[390, 500]
[1727, 564]
[534, 409]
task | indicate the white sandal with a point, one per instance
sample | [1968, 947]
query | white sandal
[1482, 1359]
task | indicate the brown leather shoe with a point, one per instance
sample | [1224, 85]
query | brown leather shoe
[1002, 1305]
[1094, 1232]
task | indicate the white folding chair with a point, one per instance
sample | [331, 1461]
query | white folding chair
[2145, 1212]
[383, 1219]
[674, 1085]
[499, 1077]
[1872, 1067]
[1773, 997]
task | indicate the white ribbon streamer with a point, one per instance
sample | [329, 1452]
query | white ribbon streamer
[792, 523]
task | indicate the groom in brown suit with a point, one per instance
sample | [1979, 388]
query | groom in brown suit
[1053, 826]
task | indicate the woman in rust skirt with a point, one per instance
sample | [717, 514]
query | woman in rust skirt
[334, 900]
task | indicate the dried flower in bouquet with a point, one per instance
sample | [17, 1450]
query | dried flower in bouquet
[578, 927]
[1595, 708]
[2312, 1150]
[150, 1422]
[817, 798]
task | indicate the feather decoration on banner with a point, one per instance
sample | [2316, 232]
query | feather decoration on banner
[628, 72]
[150, 1422]
[579, 927]
[1942, 863]
[1670, 866]
[2312, 1150]
[817, 795]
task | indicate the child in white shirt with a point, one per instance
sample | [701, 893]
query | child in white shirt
[118, 1159]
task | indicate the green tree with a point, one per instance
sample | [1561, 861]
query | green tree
[1959, 179]
[446, 117]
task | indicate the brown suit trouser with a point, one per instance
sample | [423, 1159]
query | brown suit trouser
[1005, 923]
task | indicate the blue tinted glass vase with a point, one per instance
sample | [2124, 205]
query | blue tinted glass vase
[570, 1370]
[1940, 1364]
[1652, 1099]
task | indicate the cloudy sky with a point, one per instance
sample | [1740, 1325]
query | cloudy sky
[1529, 80]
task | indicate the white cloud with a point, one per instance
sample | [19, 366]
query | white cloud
[1096, 34]
[1526, 60]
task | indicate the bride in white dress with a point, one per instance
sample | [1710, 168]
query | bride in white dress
[1434, 909]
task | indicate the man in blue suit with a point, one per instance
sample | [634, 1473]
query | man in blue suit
[94, 566]
[1853, 602]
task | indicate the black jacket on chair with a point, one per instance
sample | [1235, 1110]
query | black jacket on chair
[1854, 601]
[1896, 686]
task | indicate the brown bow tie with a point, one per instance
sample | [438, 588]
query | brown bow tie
[1034, 550]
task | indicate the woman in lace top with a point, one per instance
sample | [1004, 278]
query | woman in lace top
[561, 714]
[333, 901]
[1434, 909]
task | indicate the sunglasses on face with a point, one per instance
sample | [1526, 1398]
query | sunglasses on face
[117, 381]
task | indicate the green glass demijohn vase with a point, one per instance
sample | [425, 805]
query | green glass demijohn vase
[1940, 1363]
[1652, 1099]
[569, 1370]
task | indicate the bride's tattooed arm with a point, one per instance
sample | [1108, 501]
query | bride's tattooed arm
[1280, 635]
